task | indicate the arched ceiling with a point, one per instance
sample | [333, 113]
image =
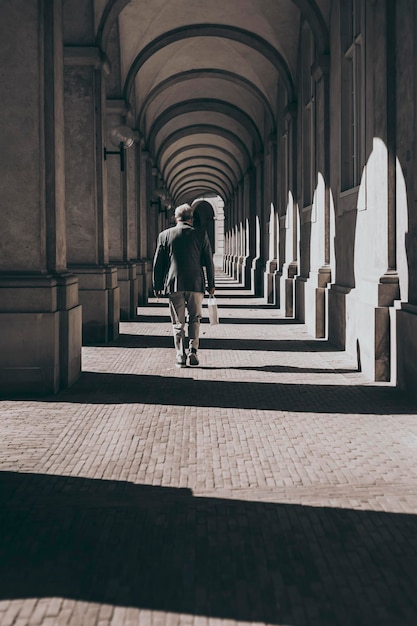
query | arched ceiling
[202, 79]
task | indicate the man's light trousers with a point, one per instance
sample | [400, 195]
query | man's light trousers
[179, 302]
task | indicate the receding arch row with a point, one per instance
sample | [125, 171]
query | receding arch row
[204, 161]
[210, 129]
[203, 178]
[195, 192]
[210, 30]
[204, 105]
[201, 171]
[200, 146]
[308, 8]
[176, 79]
[199, 184]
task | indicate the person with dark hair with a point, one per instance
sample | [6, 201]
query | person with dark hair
[181, 254]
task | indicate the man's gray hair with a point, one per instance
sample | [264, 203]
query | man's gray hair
[184, 213]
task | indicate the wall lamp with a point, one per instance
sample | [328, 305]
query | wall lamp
[157, 203]
[123, 137]
[162, 208]
[161, 194]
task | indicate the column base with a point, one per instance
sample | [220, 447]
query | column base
[337, 315]
[99, 295]
[360, 319]
[406, 331]
[40, 329]
[257, 274]
[314, 301]
[287, 284]
[269, 281]
[129, 289]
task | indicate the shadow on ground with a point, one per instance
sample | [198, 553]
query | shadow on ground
[163, 549]
[108, 388]
[264, 321]
[126, 340]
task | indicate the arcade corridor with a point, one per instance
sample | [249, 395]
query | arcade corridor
[273, 484]
[276, 483]
[289, 125]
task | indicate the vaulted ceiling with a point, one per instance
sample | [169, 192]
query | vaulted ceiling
[204, 80]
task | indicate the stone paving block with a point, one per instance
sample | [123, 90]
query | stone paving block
[274, 484]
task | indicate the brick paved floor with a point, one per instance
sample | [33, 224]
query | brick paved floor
[273, 484]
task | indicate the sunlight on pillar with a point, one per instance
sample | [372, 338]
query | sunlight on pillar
[371, 250]
[258, 237]
[272, 235]
[318, 226]
[247, 251]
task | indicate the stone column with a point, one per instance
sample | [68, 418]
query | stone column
[142, 264]
[86, 193]
[370, 304]
[230, 251]
[122, 219]
[288, 229]
[219, 234]
[313, 289]
[405, 59]
[40, 316]
[256, 229]
[271, 234]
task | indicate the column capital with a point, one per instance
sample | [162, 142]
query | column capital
[116, 106]
[87, 55]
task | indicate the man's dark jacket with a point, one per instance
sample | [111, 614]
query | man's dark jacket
[180, 255]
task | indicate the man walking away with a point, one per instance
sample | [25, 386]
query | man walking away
[181, 254]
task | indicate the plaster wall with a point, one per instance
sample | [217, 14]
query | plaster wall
[22, 235]
[78, 22]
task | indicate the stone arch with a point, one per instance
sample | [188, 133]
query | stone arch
[181, 77]
[210, 30]
[204, 105]
[308, 8]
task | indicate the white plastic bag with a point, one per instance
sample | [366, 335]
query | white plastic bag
[212, 310]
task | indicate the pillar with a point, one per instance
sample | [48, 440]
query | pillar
[256, 227]
[122, 214]
[271, 234]
[311, 291]
[40, 315]
[289, 221]
[86, 193]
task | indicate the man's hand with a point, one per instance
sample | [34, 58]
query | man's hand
[157, 293]
[212, 290]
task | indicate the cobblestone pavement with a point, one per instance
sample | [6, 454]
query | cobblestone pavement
[273, 484]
